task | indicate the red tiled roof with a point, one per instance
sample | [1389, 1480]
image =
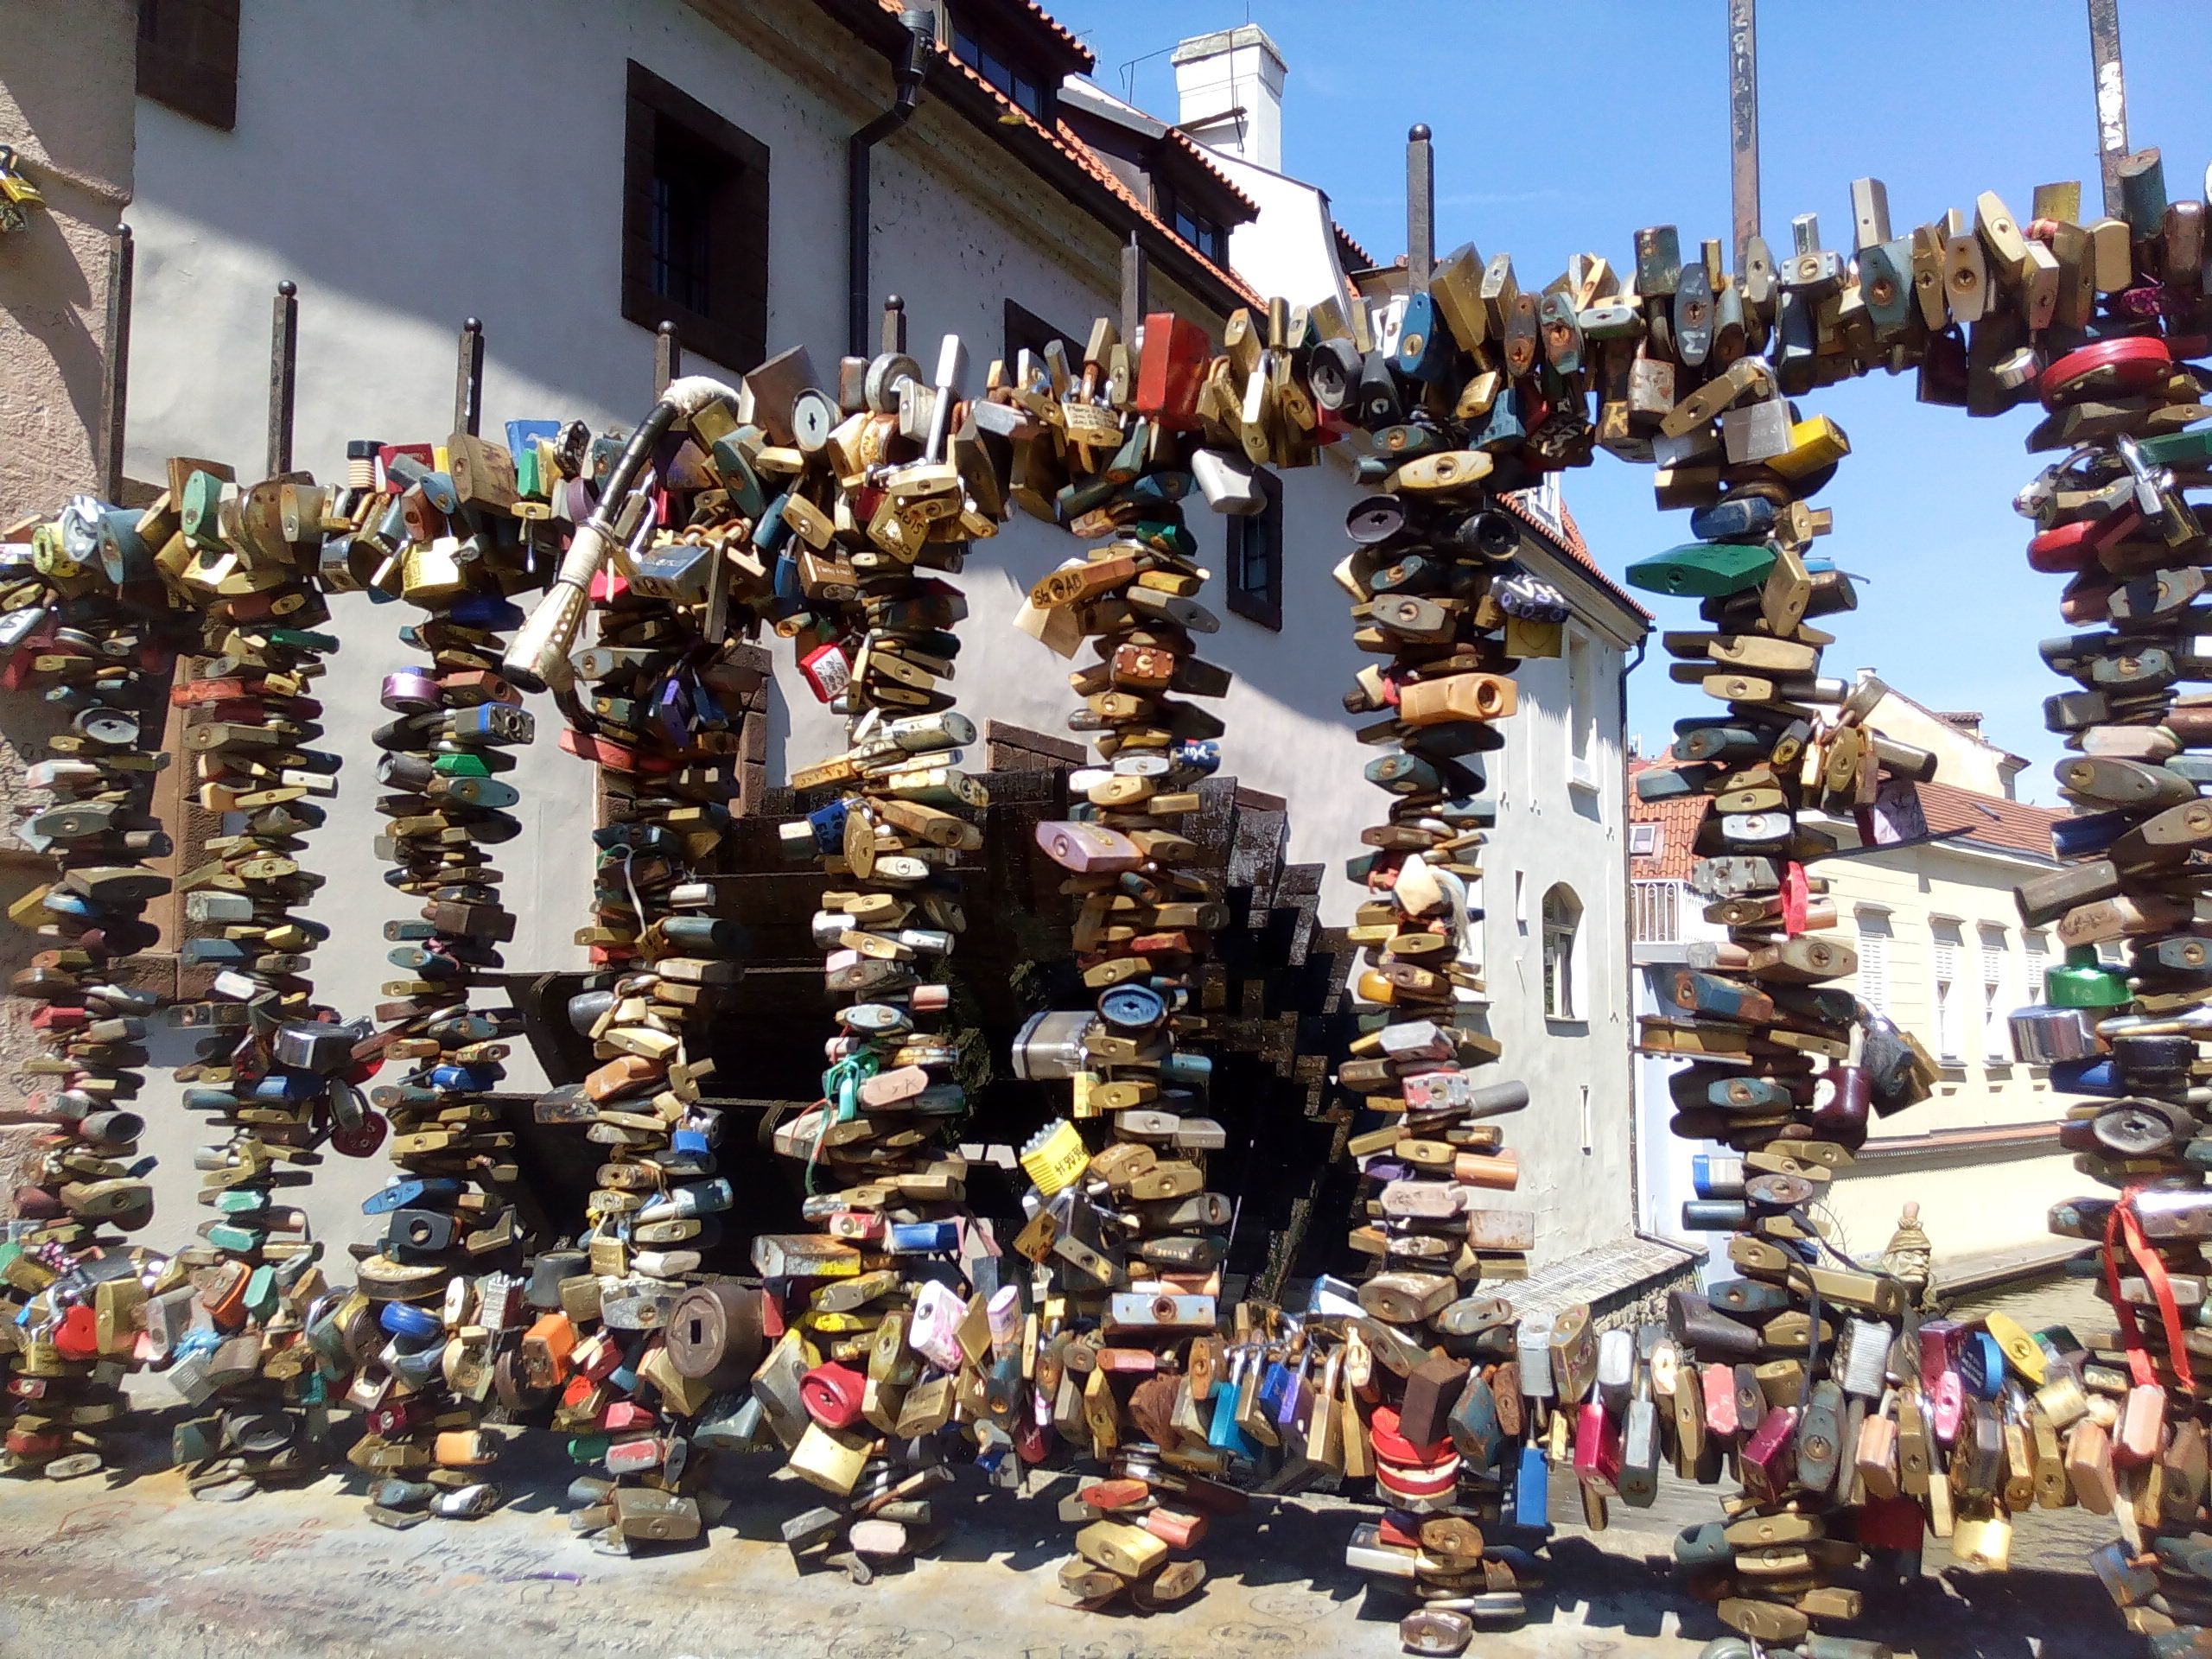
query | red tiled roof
[1347, 243]
[1678, 820]
[1990, 819]
[1198, 153]
[1089, 58]
[1062, 137]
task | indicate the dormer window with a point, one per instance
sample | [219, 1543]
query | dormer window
[989, 58]
[1201, 230]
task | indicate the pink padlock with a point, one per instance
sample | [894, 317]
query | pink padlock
[933, 1331]
[1088, 848]
[1947, 1404]
[1597, 1450]
[2142, 1423]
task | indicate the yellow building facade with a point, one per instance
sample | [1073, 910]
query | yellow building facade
[1942, 951]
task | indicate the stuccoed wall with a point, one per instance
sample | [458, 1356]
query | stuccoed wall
[65, 105]
[397, 218]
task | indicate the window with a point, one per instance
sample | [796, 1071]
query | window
[2036, 947]
[1643, 839]
[1563, 918]
[1581, 708]
[1027, 332]
[989, 58]
[1996, 1031]
[1874, 960]
[694, 225]
[1255, 558]
[189, 58]
[1950, 994]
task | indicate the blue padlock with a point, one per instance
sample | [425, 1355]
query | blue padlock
[522, 434]
[1532, 1505]
[2086, 836]
[427, 1192]
[466, 1079]
[1425, 343]
[406, 1321]
[922, 1237]
[828, 823]
[1749, 519]
[2097, 1077]
[487, 611]
[1132, 1007]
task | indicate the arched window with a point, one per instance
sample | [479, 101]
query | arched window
[1562, 920]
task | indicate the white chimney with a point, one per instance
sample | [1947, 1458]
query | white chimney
[1228, 89]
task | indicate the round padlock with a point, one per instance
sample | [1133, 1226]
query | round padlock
[2105, 367]
[715, 1333]
[1375, 519]
[404, 1321]
[362, 1138]
[814, 417]
[832, 1394]
[1132, 1007]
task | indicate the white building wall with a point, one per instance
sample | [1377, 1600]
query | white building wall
[401, 202]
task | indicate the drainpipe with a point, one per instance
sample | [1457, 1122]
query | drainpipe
[1628, 909]
[921, 45]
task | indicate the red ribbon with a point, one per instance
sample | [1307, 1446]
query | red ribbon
[2123, 1225]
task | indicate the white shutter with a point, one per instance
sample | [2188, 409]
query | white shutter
[1996, 1035]
[1874, 960]
[1949, 994]
[2038, 949]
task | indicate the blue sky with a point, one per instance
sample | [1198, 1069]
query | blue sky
[1562, 128]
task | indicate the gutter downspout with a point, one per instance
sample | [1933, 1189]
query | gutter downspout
[1628, 909]
[908, 73]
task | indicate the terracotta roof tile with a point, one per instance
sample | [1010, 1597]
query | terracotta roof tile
[1062, 137]
[1362, 259]
[1677, 819]
[1989, 819]
[1198, 153]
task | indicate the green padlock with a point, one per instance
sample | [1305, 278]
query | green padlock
[2082, 982]
[1705, 569]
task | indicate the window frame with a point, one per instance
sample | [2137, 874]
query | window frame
[1947, 948]
[734, 332]
[983, 51]
[1264, 604]
[1561, 960]
[1996, 1029]
[1579, 661]
[188, 58]
[1871, 981]
[1025, 331]
[1649, 830]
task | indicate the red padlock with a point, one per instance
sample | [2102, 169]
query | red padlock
[832, 1394]
[77, 1335]
[2135, 364]
[1892, 1524]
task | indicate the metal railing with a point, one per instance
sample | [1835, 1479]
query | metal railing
[1653, 917]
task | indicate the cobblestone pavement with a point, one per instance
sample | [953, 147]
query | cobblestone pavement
[137, 1566]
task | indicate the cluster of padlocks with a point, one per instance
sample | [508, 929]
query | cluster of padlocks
[900, 1331]
[2120, 1017]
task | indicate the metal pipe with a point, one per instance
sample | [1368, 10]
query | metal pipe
[2111, 87]
[115, 387]
[1744, 120]
[284, 376]
[921, 44]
